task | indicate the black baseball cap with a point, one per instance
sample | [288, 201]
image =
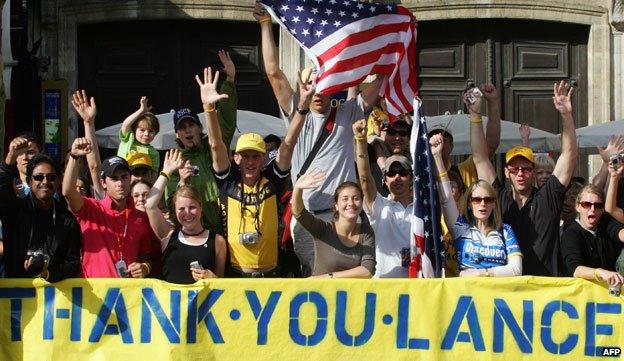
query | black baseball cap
[110, 165]
[182, 114]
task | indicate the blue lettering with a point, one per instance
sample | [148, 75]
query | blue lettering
[592, 329]
[341, 314]
[321, 323]
[546, 335]
[113, 300]
[15, 296]
[503, 316]
[197, 315]
[465, 309]
[402, 328]
[169, 325]
[262, 314]
[50, 313]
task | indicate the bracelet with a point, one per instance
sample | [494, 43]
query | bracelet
[476, 120]
[596, 274]
[266, 20]
[209, 108]
[357, 137]
[149, 268]
[74, 156]
[164, 174]
[303, 111]
[442, 175]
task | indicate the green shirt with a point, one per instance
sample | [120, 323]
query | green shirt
[128, 144]
[201, 157]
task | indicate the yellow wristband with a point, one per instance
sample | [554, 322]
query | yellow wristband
[356, 137]
[596, 274]
[209, 108]
[476, 120]
[442, 175]
[266, 20]
[164, 174]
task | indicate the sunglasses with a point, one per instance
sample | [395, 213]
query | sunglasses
[478, 200]
[391, 132]
[402, 173]
[516, 170]
[588, 205]
[51, 177]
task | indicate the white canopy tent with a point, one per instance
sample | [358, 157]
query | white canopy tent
[247, 121]
[598, 134]
[459, 126]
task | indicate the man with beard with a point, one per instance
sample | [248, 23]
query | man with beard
[41, 237]
[116, 236]
[533, 214]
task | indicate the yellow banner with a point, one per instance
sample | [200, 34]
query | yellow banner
[273, 319]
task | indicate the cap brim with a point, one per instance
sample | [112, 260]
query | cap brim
[257, 149]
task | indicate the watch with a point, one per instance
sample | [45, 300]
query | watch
[303, 111]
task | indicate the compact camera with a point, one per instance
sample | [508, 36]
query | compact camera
[195, 170]
[122, 268]
[473, 94]
[615, 161]
[37, 263]
[248, 238]
[196, 265]
[614, 291]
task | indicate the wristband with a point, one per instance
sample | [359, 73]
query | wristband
[209, 108]
[74, 156]
[266, 20]
[303, 111]
[442, 175]
[596, 274]
[357, 137]
[476, 120]
[164, 174]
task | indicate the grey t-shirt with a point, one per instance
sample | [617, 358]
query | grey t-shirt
[335, 157]
[331, 254]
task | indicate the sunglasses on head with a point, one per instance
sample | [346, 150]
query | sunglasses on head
[478, 200]
[588, 205]
[400, 132]
[515, 170]
[51, 177]
[403, 173]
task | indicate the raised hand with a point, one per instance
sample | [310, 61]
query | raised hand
[616, 171]
[615, 146]
[260, 12]
[437, 144]
[306, 91]
[475, 108]
[359, 129]
[186, 172]
[84, 106]
[489, 92]
[228, 65]
[311, 179]
[18, 146]
[143, 105]
[562, 97]
[173, 161]
[525, 134]
[81, 147]
[208, 88]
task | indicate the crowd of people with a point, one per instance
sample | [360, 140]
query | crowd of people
[333, 199]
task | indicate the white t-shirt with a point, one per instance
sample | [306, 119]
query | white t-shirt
[391, 223]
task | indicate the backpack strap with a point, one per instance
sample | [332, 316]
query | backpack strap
[328, 127]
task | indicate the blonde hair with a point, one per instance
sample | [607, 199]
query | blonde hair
[465, 208]
[544, 161]
[187, 192]
[591, 189]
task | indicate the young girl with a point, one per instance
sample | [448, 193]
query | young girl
[344, 248]
[137, 132]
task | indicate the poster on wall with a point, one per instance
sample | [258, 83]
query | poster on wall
[54, 118]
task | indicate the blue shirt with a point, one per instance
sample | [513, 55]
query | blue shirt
[476, 250]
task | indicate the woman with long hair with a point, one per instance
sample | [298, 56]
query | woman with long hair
[344, 247]
[190, 252]
[485, 246]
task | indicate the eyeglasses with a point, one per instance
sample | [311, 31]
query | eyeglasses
[588, 205]
[51, 177]
[403, 173]
[392, 132]
[478, 200]
[516, 170]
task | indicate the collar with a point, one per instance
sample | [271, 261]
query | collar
[107, 202]
[588, 230]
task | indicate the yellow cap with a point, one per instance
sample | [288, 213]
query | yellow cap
[250, 141]
[519, 151]
[138, 160]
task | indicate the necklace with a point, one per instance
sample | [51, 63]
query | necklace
[193, 234]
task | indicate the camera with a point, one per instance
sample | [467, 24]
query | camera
[614, 291]
[473, 94]
[248, 238]
[38, 260]
[195, 170]
[122, 268]
[614, 159]
[196, 265]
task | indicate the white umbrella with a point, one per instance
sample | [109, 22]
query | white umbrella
[247, 122]
[598, 134]
[459, 126]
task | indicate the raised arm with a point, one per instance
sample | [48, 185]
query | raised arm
[126, 126]
[525, 135]
[367, 182]
[612, 193]
[162, 229]
[311, 179]
[493, 127]
[227, 107]
[370, 94]
[270, 57]
[449, 207]
[478, 144]
[564, 167]
[80, 147]
[615, 146]
[209, 98]
[286, 148]
[87, 110]
[8, 172]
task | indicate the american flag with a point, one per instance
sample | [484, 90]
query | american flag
[426, 248]
[348, 40]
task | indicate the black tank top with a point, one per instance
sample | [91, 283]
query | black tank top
[178, 256]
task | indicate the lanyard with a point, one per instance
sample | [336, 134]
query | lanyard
[120, 240]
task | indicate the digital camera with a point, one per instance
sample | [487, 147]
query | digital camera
[614, 159]
[614, 291]
[473, 94]
[248, 238]
[195, 170]
[37, 263]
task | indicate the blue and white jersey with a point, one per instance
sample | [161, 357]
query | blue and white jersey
[476, 250]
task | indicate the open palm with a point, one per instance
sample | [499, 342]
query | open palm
[208, 88]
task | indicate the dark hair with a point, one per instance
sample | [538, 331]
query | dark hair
[140, 181]
[272, 138]
[31, 137]
[151, 120]
[36, 160]
[345, 185]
